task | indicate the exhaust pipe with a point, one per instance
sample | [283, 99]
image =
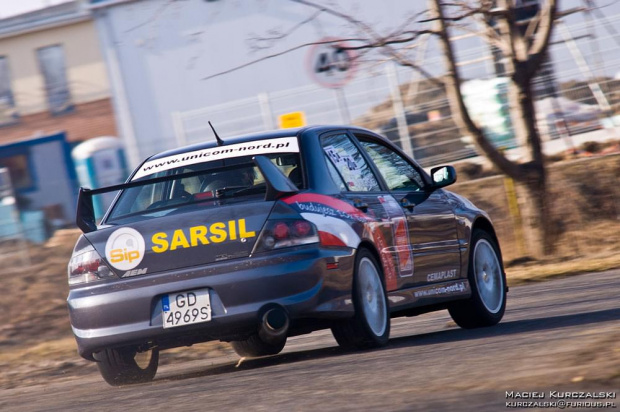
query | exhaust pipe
[274, 325]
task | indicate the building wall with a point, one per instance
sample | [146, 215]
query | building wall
[85, 121]
[161, 55]
[86, 72]
[168, 56]
[90, 113]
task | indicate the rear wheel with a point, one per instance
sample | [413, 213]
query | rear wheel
[488, 284]
[254, 346]
[124, 366]
[370, 326]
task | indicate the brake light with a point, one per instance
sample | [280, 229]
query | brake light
[87, 266]
[302, 228]
[281, 231]
[286, 233]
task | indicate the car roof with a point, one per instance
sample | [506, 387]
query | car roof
[272, 134]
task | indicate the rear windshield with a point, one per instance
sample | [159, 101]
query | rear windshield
[209, 184]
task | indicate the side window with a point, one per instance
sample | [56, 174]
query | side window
[335, 176]
[349, 163]
[397, 172]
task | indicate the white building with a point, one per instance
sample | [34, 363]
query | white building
[167, 57]
[161, 54]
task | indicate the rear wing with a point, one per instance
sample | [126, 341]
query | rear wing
[278, 185]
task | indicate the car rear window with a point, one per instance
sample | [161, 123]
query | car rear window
[208, 184]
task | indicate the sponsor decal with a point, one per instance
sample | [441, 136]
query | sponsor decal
[333, 218]
[281, 145]
[124, 249]
[135, 272]
[217, 232]
[389, 268]
[443, 275]
[400, 234]
[355, 174]
[318, 208]
[327, 225]
[455, 288]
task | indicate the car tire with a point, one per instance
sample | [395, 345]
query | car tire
[254, 347]
[125, 366]
[370, 326]
[487, 280]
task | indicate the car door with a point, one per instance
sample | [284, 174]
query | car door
[430, 217]
[370, 215]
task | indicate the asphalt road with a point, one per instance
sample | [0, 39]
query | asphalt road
[561, 335]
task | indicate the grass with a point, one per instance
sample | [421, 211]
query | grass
[537, 271]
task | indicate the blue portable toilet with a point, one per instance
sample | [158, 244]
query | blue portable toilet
[100, 162]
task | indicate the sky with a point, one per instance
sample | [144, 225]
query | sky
[12, 7]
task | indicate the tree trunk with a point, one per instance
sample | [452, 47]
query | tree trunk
[533, 176]
[530, 175]
[537, 213]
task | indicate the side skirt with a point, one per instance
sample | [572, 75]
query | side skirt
[431, 295]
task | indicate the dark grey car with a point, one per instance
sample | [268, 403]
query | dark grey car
[272, 235]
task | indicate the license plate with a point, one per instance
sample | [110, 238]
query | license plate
[186, 308]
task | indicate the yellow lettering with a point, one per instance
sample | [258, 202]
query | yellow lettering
[178, 239]
[198, 233]
[242, 231]
[116, 255]
[133, 255]
[159, 239]
[219, 232]
[232, 230]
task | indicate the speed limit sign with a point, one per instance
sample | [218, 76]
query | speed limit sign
[331, 63]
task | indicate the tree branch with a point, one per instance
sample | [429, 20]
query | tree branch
[457, 104]
[280, 36]
[382, 42]
[538, 49]
[271, 56]
[491, 36]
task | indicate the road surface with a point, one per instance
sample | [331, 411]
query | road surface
[561, 335]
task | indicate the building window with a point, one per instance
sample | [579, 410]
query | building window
[52, 64]
[8, 114]
[19, 170]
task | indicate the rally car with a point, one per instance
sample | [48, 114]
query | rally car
[257, 238]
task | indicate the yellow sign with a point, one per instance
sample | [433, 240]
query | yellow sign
[291, 120]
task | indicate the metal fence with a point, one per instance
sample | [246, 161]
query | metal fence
[577, 89]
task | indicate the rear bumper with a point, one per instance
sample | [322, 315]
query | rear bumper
[129, 311]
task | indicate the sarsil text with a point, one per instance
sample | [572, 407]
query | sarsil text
[200, 235]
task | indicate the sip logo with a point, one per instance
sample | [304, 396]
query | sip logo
[125, 248]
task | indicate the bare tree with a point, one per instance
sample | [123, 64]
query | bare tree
[523, 52]
[524, 49]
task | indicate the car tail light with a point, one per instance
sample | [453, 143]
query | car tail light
[286, 233]
[87, 266]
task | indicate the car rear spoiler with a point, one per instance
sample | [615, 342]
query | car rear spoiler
[278, 185]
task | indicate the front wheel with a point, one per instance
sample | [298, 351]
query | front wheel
[370, 326]
[124, 366]
[488, 285]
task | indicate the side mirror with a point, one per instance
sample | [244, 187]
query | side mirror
[443, 176]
